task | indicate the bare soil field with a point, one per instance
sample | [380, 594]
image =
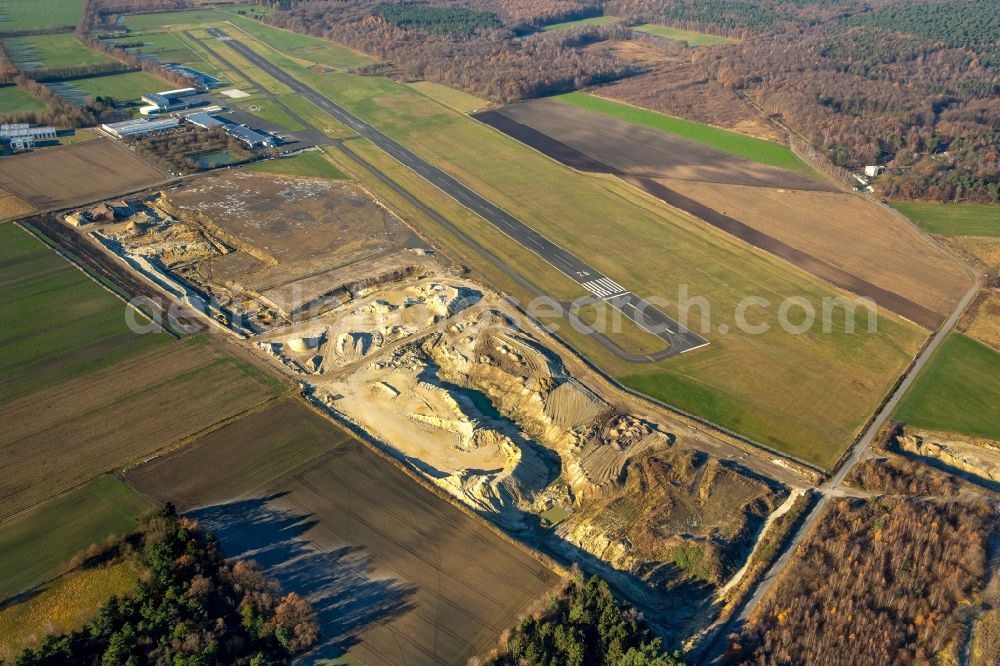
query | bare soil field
[643, 151]
[58, 437]
[679, 90]
[287, 229]
[76, 173]
[396, 574]
[851, 243]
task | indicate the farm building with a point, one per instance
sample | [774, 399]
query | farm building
[168, 100]
[139, 126]
[873, 170]
[22, 136]
[248, 136]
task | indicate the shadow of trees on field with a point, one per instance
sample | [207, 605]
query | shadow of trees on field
[336, 583]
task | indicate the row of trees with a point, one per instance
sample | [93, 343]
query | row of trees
[191, 607]
[882, 581]
[584, 624]
[496, 63]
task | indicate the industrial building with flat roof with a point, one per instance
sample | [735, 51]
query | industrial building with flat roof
[168, 100]
[248, 136]
[22, 136]
[203, 120]
[139, 126]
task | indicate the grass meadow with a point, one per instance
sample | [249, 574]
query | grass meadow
[15, 100]
[581, 23]
[37, 544]
[63, 605]
[51, 51]
[35, 14]
[958, 391]
[689, 36]
[952, 219]
[313, 163]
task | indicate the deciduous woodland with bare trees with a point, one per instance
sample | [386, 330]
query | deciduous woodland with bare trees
[869, 83]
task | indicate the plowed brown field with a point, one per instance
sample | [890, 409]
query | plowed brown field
[397, 574]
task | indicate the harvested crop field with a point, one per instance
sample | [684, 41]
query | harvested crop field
[77, 173]
[854, 235]
[851, 243]
[397, 574]
[67, 433]
[645, 151]
[12, 207]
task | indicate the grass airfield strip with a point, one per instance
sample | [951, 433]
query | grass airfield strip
[428, 583]
[805, 394]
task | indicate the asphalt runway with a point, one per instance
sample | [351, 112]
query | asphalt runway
[678, 338]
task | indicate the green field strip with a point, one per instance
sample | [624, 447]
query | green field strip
[734, 143]
[952, 219]
[37, 544]
[958, 391]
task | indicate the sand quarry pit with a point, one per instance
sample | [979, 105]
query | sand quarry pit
[441, 374]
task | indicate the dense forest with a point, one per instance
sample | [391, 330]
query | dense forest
[584, 624]
[191, 608]
[929, 112]
[913, 86]
[492, 62]
[453, 21]
[883, 581]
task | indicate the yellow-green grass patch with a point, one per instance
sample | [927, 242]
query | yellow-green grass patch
[952, 219]
[305, 47]
[122, 87]
[63, 605]
[689, 36]
[312, 163]
[14, 100]
[958, 391]
[582, 23]
[36, 545]
[456, 100]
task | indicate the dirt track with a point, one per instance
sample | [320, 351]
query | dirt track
[577, 159]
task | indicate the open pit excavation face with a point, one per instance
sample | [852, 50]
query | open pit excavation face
[442, 374]
[348, 334]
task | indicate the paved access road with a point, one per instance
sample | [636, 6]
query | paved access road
[635, 308]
